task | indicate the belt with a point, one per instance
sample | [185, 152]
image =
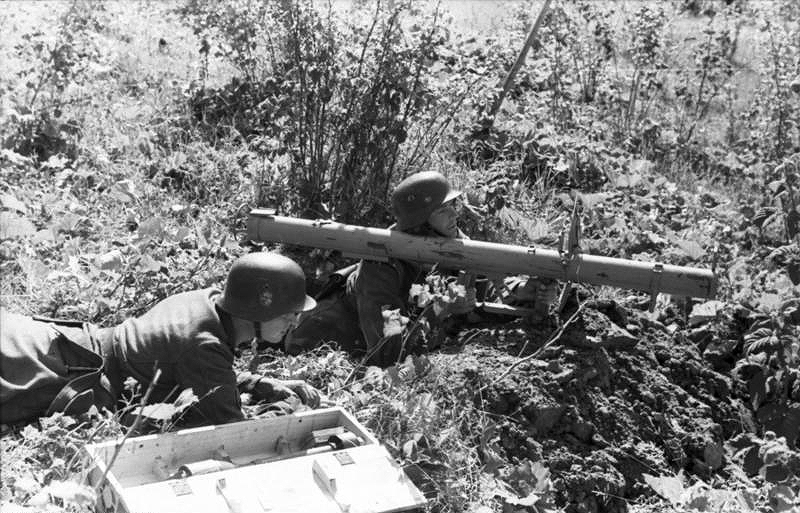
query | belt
[91, 386]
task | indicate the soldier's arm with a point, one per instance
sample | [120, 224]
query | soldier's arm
[208, 371]
[378, 286]
[271, 390]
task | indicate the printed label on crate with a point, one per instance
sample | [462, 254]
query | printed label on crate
[180, 487]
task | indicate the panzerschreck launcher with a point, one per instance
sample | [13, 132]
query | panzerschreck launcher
[488, 258]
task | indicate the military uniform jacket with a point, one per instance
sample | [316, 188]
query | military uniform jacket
[45, 367]
[378, 286]
[183, 336]
[353, 317]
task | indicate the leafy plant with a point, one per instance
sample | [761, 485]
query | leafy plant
[708, 75]
[240, 29]
[699, 496]
[776, 334]
[637, 90]
[577, 45]
[147, 198]
[43, 468]
[37, 124]
[773, 119]
[559, 27]
[784, 202]
[592, 45]
[329, 102]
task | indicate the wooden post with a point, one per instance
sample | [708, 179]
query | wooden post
[518, 64]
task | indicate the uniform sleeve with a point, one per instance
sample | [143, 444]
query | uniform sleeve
[208, 371]
[378, 286]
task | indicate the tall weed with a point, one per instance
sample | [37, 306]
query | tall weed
[638, 88]
[328, 101]
[710, 71]
[776, 109]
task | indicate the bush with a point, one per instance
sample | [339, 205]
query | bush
[776, 109]
[329, 102]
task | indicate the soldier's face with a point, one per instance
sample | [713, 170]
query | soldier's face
[445, 219]
[274, 330]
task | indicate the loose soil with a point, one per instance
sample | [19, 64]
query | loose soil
[618, 396]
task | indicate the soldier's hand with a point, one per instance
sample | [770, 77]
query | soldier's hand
[310, 396]
[545, 293]
[272, 390]
[465, 304]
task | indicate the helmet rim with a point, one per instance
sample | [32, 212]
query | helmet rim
[418, 196]
[262, 286]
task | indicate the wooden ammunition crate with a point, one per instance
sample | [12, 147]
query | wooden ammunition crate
[254, 466]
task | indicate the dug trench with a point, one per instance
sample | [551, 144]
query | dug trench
[621, 394]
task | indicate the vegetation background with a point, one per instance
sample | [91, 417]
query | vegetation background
[137, 136]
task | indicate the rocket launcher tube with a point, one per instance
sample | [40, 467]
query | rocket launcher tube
[482, 257]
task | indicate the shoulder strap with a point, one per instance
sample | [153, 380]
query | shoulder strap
[59, 322]
[79, 394]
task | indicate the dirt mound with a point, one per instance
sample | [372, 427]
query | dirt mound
[619, 395]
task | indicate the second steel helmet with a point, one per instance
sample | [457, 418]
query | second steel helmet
[263, 286]
[415, 198]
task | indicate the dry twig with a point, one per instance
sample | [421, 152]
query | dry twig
[134, 428]
[538, 352]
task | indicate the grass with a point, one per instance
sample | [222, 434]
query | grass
[172, 204]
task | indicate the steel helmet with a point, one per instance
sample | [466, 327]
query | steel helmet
[263, 286]
[415, 198]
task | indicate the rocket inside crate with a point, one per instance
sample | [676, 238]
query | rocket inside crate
[152, 458]
[323, 460]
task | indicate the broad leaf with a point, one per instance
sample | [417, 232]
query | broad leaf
[110, 261]
[393, 322]
[55, 162]
[668, 487]
[419, 294]
[692, 249]
[492, 461]
[770, 302]
[15, 158]
[590, 201]
[72, 492]
[705, 312]
[782, 499]
[185, 400]
[149, 264]
[13, 226]
[481, 509]
[125, 190]
[527, 501]
[10, 202]
[35, 270]
[153, 227]
[641, 166]
[26, 485]
[68, 222]
[159, 411]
